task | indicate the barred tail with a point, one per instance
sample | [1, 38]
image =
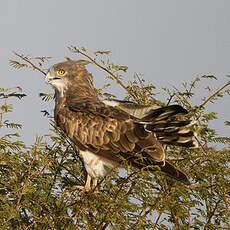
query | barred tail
[168, 130]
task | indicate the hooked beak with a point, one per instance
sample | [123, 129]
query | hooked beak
[49, 77]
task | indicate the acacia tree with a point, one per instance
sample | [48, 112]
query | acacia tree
[36, 183]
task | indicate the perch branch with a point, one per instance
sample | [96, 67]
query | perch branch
[28, 61]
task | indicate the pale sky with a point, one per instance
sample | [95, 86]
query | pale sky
[169, 42]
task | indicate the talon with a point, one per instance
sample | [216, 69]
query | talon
[82, 188]
[87, 186]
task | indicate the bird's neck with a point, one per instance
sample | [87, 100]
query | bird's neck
[77, 94]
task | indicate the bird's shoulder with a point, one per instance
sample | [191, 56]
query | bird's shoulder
[97, 108]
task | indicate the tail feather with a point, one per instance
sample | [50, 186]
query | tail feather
[146, 163]
[166, 125]
[182, 133]
[167, 129]
[164, 113]
[175, 173]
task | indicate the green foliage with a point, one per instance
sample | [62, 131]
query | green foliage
[46, 96]
[37, 183]
[209, 77]
[17, 65]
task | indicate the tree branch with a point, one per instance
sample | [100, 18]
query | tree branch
[120, 205]
[29, 172]
[75, 50]
[215, 94]
[152, 207]
[212, 214]
[28, 61]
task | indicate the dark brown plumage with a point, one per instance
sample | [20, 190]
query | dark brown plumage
[107, 131]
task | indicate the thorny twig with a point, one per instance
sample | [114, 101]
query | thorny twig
[215, 94]
[151, 208]
[184, 99]
[28, 61]
[75, 50]
[212, 213]
[29, 173]
[120, 205]
[114, 199]
[37, 219]
[157, 220]
[170, 99]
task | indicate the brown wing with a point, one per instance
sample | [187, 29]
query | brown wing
[106, 130]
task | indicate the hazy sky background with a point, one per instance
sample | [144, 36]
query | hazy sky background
[169, 42]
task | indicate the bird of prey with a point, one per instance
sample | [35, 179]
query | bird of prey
[107, 132]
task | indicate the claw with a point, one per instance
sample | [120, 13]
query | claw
[87, 187]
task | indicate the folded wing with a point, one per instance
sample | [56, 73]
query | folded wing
[111, 132]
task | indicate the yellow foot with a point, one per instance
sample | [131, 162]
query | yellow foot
[87, 186]
[82, 188]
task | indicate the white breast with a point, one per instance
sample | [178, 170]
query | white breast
[95, 165]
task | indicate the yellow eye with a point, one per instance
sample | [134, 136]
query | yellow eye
[61, 72]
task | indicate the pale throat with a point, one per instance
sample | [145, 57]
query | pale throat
[60, 87]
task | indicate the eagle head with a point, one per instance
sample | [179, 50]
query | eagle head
[69, 74]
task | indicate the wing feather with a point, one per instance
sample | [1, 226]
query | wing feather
[131, 136]
[104, 127]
